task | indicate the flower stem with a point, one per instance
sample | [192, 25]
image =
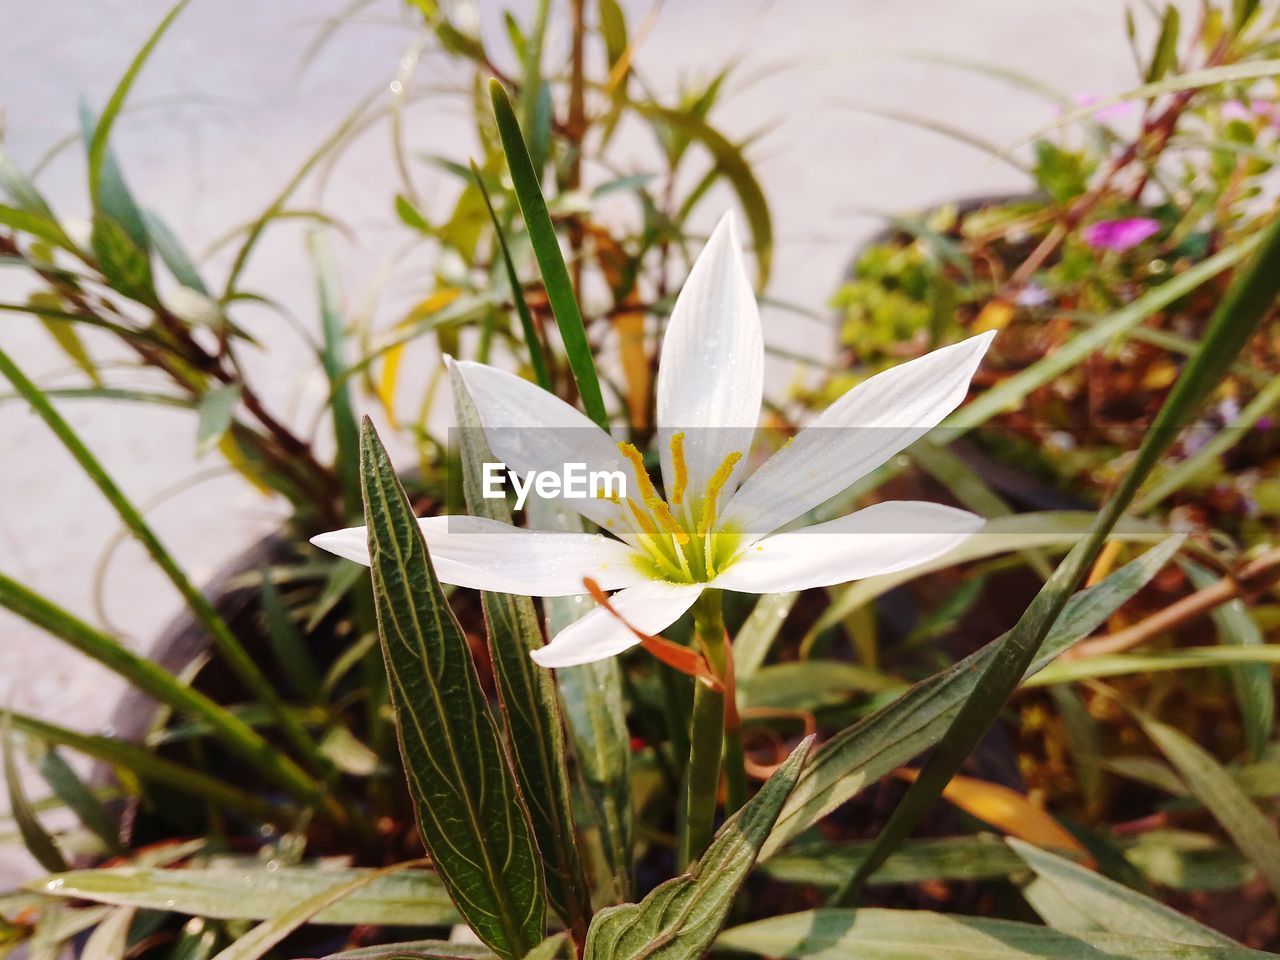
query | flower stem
[709, 736]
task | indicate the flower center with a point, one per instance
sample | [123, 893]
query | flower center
[678, 537]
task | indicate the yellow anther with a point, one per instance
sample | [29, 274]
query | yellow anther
[643, 520]
[662, 513]
[718, 480]
[647, 490]
[680, 467]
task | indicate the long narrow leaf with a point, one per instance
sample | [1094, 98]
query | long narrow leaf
[346, 432]
[893, 735]
[469, 809]
[546, 248]
[34, 836]
[1247, 302]
[80, 799]
[280, 767]
[679, 919]
[535, 736]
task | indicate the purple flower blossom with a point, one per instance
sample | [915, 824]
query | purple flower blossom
[1264, 423]
[1119, 234]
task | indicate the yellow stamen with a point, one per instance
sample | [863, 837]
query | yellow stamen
[647, 489]
[662, 513]
[680, 467]
[718, 480]
[643, 520]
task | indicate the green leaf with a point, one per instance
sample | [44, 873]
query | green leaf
[98, 152]
[595, 715]
[862, 754]
[1183, 658]
[71, 790]
[173, 255]
[1249, 299]
[756, 636]
[214, 415]
[1165, 57]
[546, 248]
[110, 938]
[238, 892]
[346, 432]
[530, 708]
[148, 677]
[730, 164]
[145, 765]
[1105, 905]
[469, 809]
[35, 224]
[267, 934]
[64, 333]
[825, 864]
[19, 188]
[1252, 682]
[537, 358]
[1213, 786]
[34, 836]
[877, 934]
[679, 919]
[287, 644]
[1024, 531]
[255, 750]
[416, 950]
[124, 265]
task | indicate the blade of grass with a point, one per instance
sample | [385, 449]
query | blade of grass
[102, 132]
[152, 679]
[145, 765]
[546, 248]
[34, 836]
[346, 431]
[1248, 300]
[537, 359]
[75, 793]
[288, 773]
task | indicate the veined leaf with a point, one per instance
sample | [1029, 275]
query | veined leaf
[530, 708]
[595, 714]
[1183, 658]
[407, 898]
[893, 735]
[1252, 682]
[470, 813]
[125, 265]
[546, 248]
[877, 934]
[417, 950]
[1213, 786]
[679, 919]
[1105, 905]
[825, 864]
[1249, 299]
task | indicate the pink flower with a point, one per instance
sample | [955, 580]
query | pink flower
[1119, 234]
[1113, 112]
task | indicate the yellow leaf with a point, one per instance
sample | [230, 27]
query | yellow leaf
[994, 316]
[1159, 376]
[1005, 809]
[230, 449]
[385, 388]
[635, 365]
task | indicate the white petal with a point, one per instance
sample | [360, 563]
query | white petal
[650, 607]
[880, 539]
[530, 430]
[487, 555]
[860, 431]
[711, 372]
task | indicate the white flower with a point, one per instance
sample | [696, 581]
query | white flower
[708, 531]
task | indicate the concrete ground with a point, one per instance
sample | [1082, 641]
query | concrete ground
[221, 119]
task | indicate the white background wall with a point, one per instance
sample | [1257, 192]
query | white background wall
[221, 119]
